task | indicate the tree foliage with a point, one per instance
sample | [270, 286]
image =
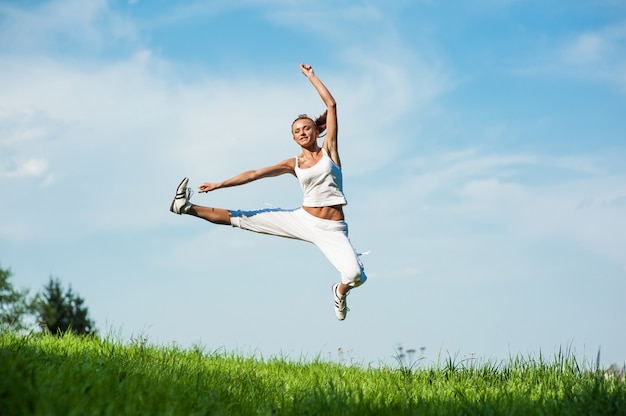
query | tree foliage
[60, 312]
[14, 304]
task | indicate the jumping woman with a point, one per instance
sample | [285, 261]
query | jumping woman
[320, 220]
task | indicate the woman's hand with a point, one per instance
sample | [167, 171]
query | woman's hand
[307, 70]
[207, 187]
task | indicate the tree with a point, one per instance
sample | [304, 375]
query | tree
[59, 312]
[14, 304]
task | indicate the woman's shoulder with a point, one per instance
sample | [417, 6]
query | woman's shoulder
[290, 162]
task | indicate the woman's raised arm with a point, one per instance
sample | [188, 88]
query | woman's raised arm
[330, 140]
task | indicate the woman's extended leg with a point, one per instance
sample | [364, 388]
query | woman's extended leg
[181, 205]
[214, 215]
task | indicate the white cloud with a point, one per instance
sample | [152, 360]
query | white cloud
[598, 44]
[30, 167]
[599, 54]
[71, 26]
[483, 209]
[136, 118]
[97, 127]
[588, 48]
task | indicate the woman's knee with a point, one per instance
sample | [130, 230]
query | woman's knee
[355, 279]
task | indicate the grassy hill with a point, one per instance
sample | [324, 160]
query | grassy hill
[69, 375]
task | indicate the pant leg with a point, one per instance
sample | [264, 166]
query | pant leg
[331, 237]
[273, 221]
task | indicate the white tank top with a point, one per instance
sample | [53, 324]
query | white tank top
[321, 183]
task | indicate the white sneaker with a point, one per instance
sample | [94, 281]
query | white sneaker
[341, 307]
[181, 204]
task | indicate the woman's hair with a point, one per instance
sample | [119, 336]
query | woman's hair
[320, 121]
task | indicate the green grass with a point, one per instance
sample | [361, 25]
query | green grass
[69, 375]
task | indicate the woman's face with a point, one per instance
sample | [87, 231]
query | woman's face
[304, 132]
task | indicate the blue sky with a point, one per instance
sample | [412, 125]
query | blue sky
[482, 143]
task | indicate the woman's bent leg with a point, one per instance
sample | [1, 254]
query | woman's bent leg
[340, 252]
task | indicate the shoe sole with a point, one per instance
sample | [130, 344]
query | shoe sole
[178, 196]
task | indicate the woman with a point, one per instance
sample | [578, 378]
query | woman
[320, 220]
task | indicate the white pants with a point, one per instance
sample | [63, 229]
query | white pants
[331, 237]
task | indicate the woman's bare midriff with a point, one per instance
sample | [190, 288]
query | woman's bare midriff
[333, 213]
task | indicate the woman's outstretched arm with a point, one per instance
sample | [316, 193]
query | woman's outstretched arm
[286, 166]
[330, 140]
